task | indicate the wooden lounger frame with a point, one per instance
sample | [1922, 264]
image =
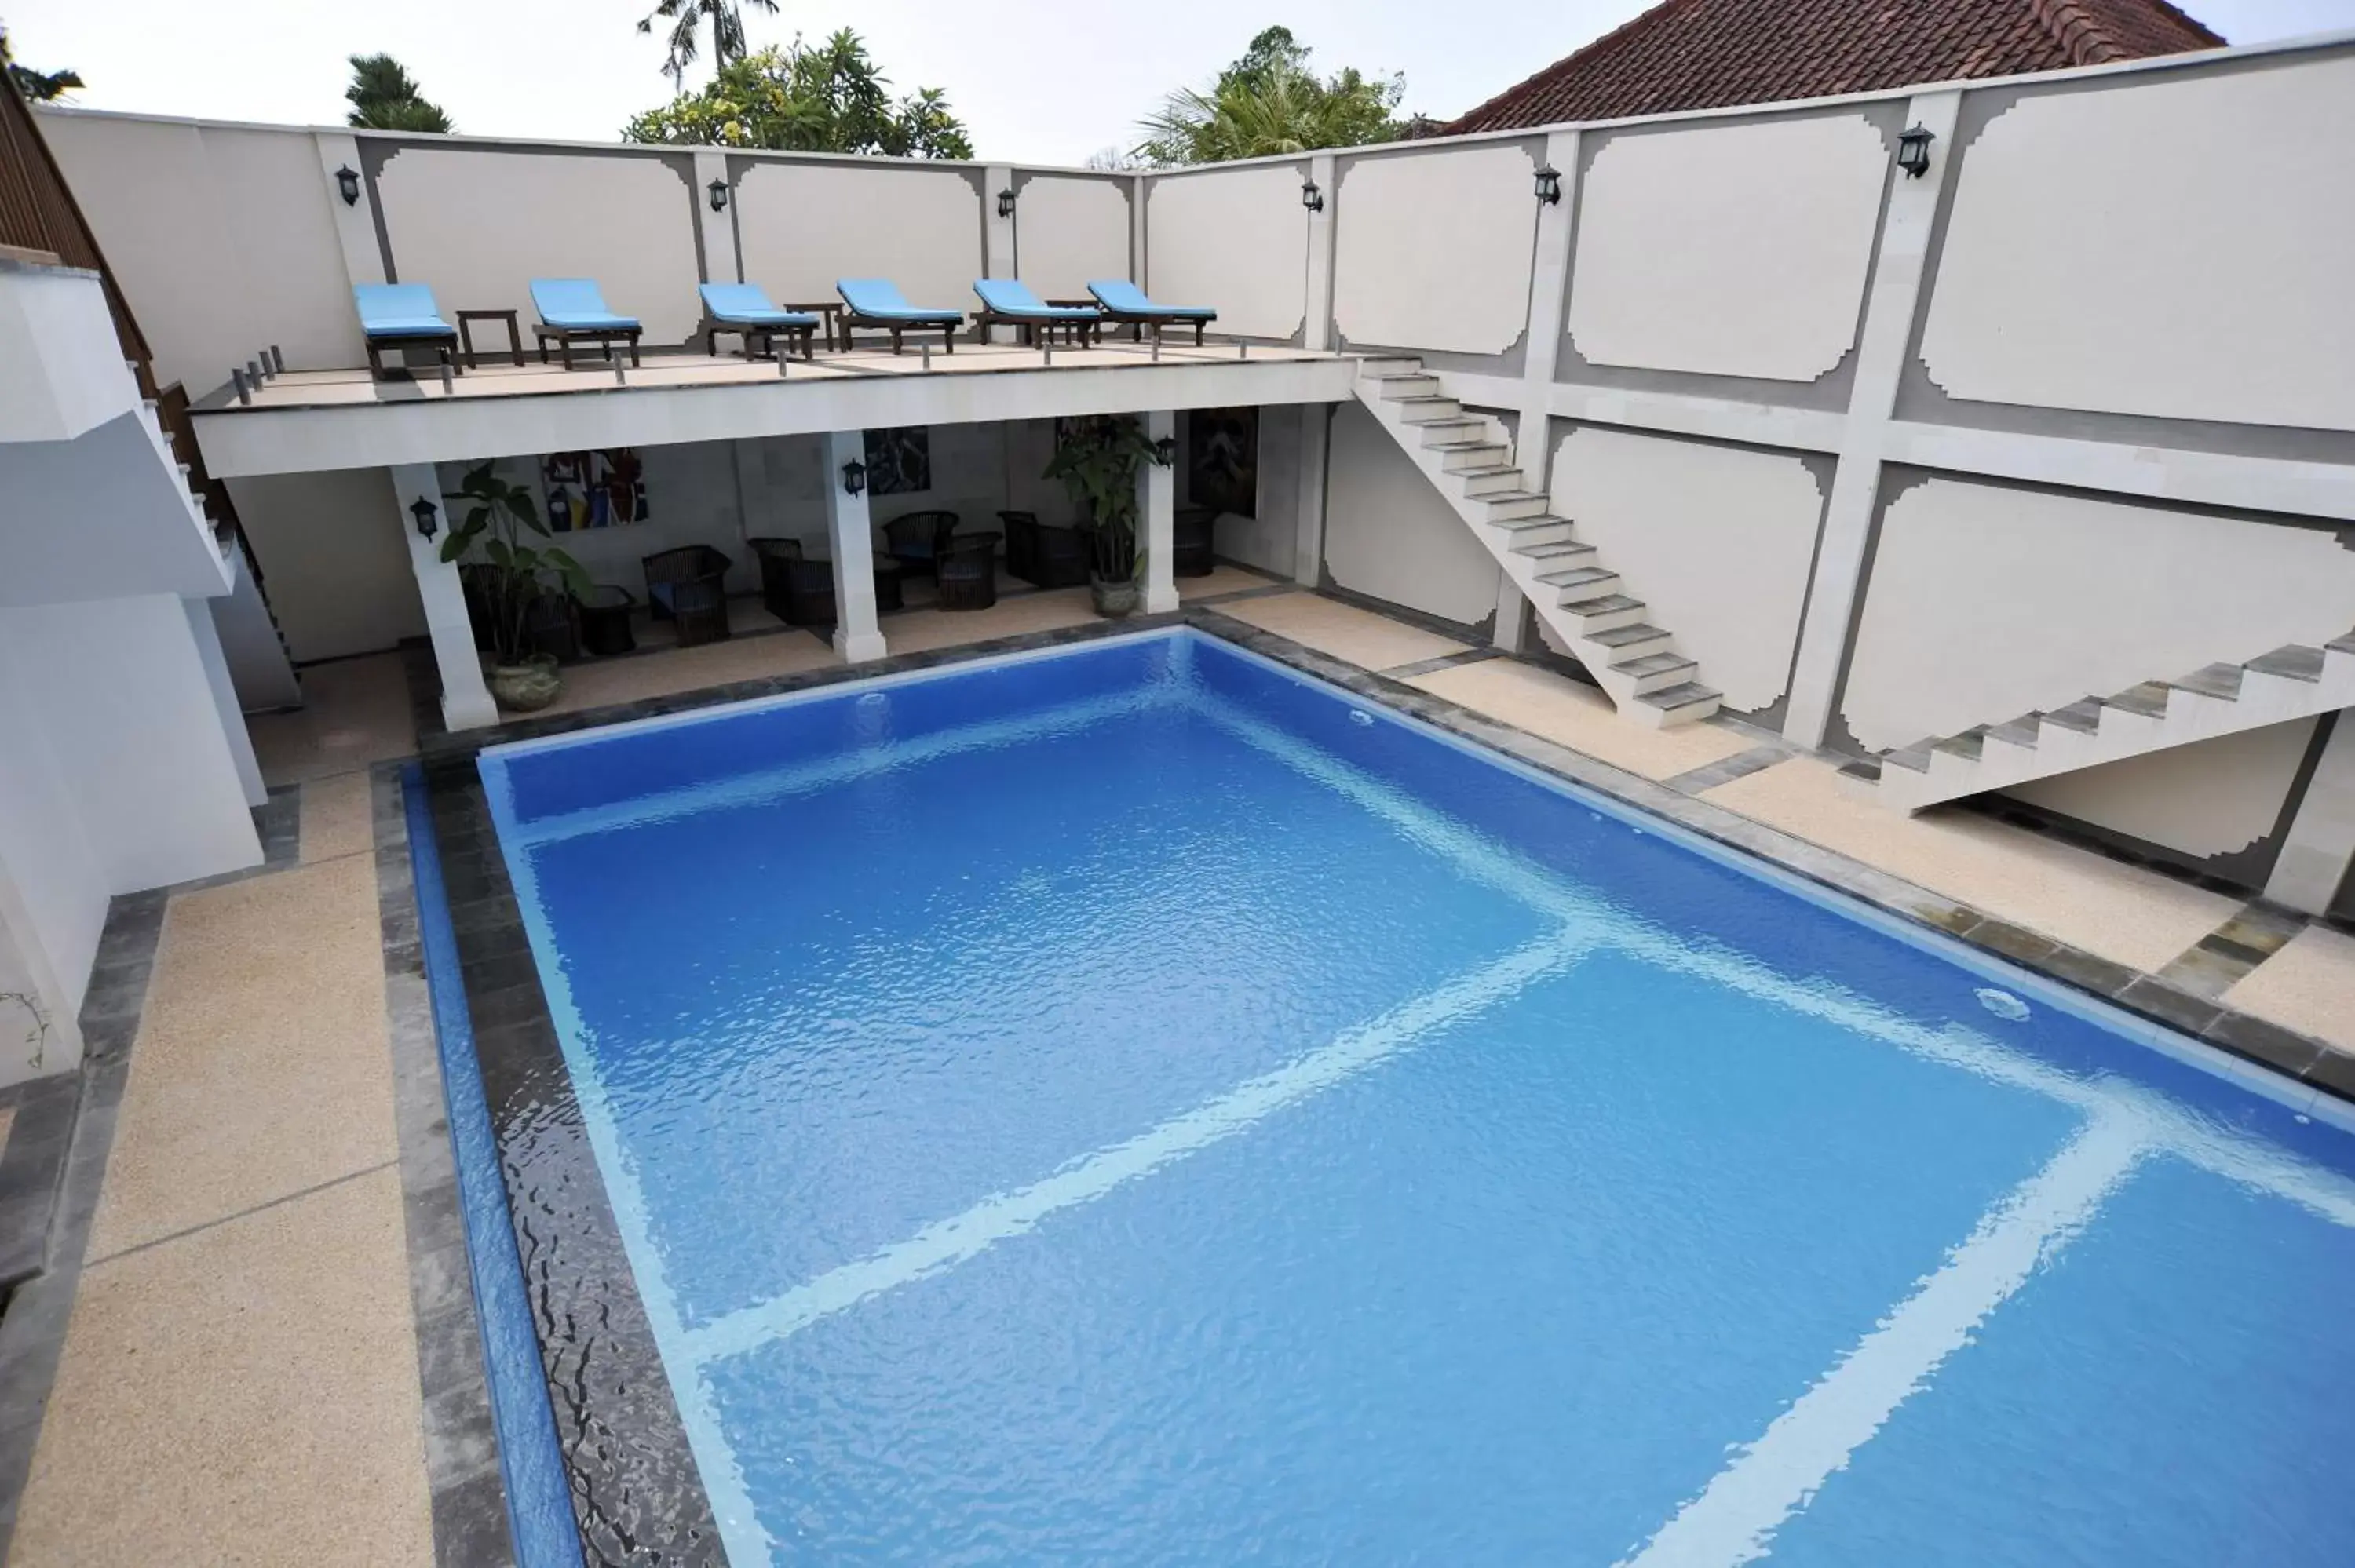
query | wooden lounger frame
[444, 348]
[799, 335]
[1137, 320]
[1082, 333]
[604, 337]
[851, 318]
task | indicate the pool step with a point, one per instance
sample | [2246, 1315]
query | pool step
[2295, 680]
[1574, 591]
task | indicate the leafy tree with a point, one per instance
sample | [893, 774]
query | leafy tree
[685, 16]
[830, 99]
[41, 86]
[1268, 103]
[383, 97]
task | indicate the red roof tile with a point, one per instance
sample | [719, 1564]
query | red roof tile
[1706, 54]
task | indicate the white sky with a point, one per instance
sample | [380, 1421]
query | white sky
[1034, 80]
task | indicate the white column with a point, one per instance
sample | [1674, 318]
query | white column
[1889, 302]
[1156, 518]
[1308, 524]
[1540, 354]
[355, 223]
[1139, 263]
[856, 635]
[2316, 857]
[718, 228]
[1318, 333]
[465, 701]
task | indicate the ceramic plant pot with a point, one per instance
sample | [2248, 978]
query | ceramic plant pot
[1115, 597]
[528, 686]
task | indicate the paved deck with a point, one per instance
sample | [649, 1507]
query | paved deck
[240, 1376]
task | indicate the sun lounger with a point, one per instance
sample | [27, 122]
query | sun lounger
[573, 311]
[877, 303]
[1125, 303]
[404, 315]
[746, 310]
[1007, 302]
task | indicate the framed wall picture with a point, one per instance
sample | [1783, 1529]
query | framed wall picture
[1223, 460]
[899, 460]
[600, 489]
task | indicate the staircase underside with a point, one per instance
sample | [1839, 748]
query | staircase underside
[2293, 682]
[1466, 456]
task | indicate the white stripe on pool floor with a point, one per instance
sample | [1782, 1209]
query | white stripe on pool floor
[947, 1242]
[1734, 1519]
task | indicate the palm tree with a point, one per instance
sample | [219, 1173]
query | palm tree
[685, 16]
[384, 98]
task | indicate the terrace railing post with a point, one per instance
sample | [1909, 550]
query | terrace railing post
[857, 637]
[1892, 299]
[1157, 519]
[465, 700]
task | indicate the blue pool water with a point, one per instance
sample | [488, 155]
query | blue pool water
[1132, 1105]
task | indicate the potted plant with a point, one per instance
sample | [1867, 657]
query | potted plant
[1098, 460]
[511, 575]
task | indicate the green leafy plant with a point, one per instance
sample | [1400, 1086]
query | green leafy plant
[384, 98]
[1269, 102]
[832, 98]
[512, 571]
[1098, 460]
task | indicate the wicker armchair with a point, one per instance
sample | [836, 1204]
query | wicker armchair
[918, 540]
[776, 556]
[689, 586]
[1191, 551]
[809, 592]
[1044, 556]
[968, 572]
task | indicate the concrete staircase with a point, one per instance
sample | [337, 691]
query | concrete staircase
[1467, 457]
[2290, 683]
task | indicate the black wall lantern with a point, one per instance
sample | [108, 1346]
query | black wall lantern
[1165, 450]
[1913, 151]
[1006, 202]
[347, 180]
[1549, 185]
[718, 189]
[425, 512]
[1311, 197]
[854, 477]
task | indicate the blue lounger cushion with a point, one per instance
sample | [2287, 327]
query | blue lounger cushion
[1120, 295]
[880, 298]
[400, 310]
[747, 304]
[576, 303]
[1009, 298]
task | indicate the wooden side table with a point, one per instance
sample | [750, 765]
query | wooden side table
[466, 336]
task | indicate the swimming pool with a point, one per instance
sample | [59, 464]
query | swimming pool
[1137, 1104]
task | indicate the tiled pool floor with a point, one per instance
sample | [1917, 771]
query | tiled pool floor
[240, 1375]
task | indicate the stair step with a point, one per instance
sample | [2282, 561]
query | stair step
[2221, 681]
[2148, 699]
[1487, 482]
[2341, 644]
[1553, 549]
[1393, 388]
[1685, 704]
[1603, 614]
[1430, 410]
[1468, 456]
[1968, 745]
[1447, 432]
[1864, 770]
[2083, 716]
[1506, 505]
[1580, 583]
[1657, 671]
[2293, 661]
[2020, 732]
[1914, 759]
